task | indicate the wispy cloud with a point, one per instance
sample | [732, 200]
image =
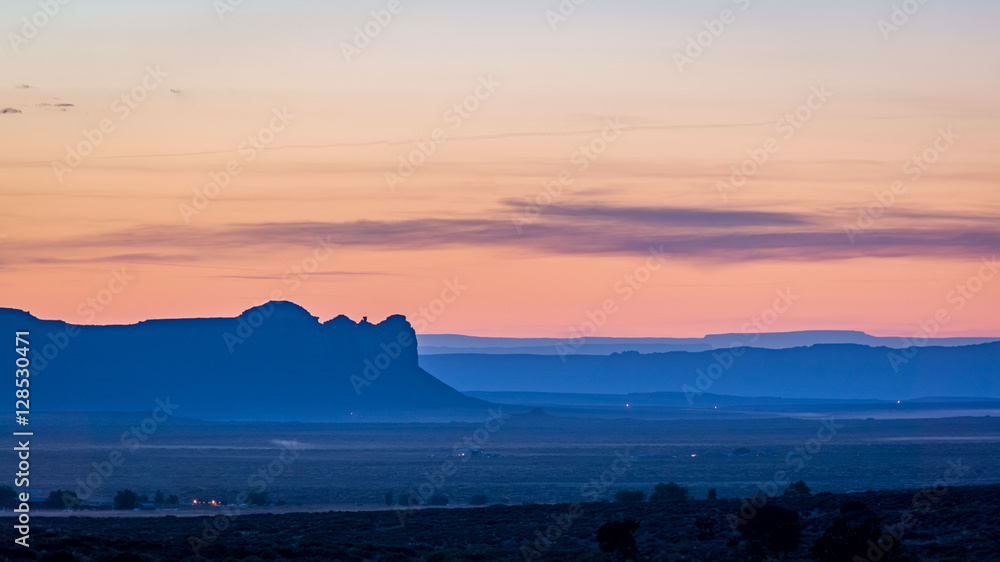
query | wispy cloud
[588, 229]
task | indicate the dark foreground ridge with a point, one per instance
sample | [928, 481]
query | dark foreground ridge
[273, 362]
[945, 524]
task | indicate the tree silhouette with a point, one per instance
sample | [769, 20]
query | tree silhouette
[669, 492]
[775, 527]
[126, 499]
[846, 541]
[61, 499]
[437, 499]
[6, 494]
[797, 490]
[618, 538]
[630, 496]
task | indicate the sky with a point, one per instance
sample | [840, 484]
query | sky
[636, 168]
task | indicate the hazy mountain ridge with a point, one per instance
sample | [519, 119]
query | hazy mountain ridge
[436, 344]
[819, 371]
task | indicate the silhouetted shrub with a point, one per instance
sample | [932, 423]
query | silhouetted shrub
[630, 496]
[61, 499]
[775, 527]
[7, 494]
[437, 499]
[618, 538]
[867, 540]
[479, 499]
[159, 498]
[126, 499]
[172, 499]
[798, 490]
[712, 494]
[258, 498]
[669, 492]
[409, 499]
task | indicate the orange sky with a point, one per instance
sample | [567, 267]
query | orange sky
[267, 90]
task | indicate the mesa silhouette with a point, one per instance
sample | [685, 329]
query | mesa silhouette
[274, 362]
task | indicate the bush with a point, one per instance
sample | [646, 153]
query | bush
[159, 498]
[669, 492]
[775, 527]
[618, 538]
[844, 541]
[409, 499]
[630, 496]
[172, 499]
[61, 499]
[797, 490]
[126, 499]
[712, 494]
[479, 499]
[7, 494]
[437, 499]
[258, 498]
